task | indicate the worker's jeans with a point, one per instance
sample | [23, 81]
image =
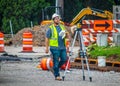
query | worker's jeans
[59, 58]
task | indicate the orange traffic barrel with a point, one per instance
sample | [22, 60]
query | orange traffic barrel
[46, 63]
[27, 42]
[1, 42]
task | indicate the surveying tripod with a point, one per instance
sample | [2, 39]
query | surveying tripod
[82, 53]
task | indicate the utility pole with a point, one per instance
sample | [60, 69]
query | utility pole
[59, 3]
[57, 10]
[11, 28]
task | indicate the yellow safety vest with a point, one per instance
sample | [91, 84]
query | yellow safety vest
[54, 37]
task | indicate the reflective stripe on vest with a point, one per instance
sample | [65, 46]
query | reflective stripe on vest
[54, 36]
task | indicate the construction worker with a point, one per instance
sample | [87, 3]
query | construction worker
[55, 38]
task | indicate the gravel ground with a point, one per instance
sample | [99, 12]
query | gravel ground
[26, 73]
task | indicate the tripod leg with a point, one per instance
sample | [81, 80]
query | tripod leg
[83, 54]
[83, 67]
[88, 69]
[63, 77]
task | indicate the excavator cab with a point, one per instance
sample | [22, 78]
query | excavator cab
[47, 13]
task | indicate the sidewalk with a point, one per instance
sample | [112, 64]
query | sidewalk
[37, 51]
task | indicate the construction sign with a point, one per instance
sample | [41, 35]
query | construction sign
[101, 25]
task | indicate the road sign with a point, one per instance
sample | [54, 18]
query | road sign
[103, 25]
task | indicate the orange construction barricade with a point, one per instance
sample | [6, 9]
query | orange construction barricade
[1, 42]
[27, 42]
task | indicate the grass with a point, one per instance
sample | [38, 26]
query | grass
[111, 53]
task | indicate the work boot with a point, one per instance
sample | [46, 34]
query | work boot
[58, 78]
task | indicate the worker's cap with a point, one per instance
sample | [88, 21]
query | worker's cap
[55, 15]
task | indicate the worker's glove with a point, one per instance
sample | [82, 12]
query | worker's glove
[62, 33]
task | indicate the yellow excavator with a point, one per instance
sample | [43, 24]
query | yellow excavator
[91, 11]
[77, 20]
[81, 15]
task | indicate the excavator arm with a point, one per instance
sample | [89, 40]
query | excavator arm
[89, 11]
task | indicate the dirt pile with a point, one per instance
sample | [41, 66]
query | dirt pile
[38, 33]
[38, 36]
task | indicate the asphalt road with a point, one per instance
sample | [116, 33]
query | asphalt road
[26, 73]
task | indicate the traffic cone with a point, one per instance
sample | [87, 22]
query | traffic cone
[67, 45]
[66, 63]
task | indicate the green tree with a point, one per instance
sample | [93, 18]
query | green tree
[99, 4]
[73, 7]
[20, 12]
